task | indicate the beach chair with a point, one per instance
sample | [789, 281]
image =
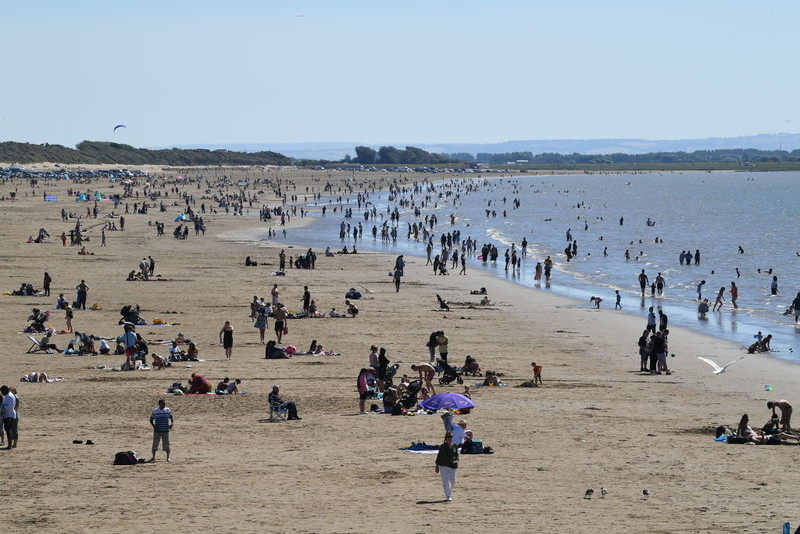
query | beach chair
[277, 413]
[36, 346]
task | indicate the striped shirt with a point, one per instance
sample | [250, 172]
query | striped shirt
[161, 419]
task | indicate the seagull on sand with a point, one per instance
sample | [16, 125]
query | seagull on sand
[717, 368]
[588, 494]
[646, 493]
[603, 493]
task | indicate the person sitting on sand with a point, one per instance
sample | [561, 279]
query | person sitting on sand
[233, 386]
[175, 353]
[180, 338]
[199, 384]
[491, 379]
[328, 252]
[486, 302]
[222, 387]
[760, 437]
[192, 352]
[389, 399]
[352, 309]
[471, 365]
[423, 395]
[159, 362]
[273, 352]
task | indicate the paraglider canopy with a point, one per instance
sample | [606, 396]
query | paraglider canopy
[119, 126]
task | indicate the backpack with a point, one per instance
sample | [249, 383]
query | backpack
[126, 458]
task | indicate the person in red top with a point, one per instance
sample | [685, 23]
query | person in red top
[734, 294]
[537, 373]
[199, 384]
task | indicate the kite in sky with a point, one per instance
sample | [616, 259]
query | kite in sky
[118, 126]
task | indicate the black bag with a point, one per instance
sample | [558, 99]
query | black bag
[126, 458]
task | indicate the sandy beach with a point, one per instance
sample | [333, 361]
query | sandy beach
[596, 422]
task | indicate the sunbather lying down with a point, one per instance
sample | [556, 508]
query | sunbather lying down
[39, 377]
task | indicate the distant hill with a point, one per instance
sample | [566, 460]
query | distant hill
[96, 152]
[337, 150]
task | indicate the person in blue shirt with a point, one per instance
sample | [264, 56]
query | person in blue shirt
[161, 421]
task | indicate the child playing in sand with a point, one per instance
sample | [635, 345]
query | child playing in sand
[537, 374]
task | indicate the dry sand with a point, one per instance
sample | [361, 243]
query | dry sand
[596, 422]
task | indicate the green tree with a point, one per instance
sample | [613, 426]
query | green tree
[365, 155]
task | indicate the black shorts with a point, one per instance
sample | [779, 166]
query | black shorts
[279, 326]
[363, 396]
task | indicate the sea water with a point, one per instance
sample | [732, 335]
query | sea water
[715, 213]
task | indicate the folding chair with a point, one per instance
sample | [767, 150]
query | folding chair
[36, 346]
[277, 413]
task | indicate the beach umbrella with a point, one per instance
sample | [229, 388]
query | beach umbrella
[453, 401]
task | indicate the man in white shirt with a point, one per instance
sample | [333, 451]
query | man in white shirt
[458, 431]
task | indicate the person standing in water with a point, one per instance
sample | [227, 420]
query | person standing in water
[643, 281]
[734, 295]
[773, 287]
[720, 299]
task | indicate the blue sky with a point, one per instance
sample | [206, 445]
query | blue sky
[410, 71]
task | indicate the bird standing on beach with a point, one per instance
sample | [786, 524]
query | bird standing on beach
[588, 494]
[646, 493]
[603, 493]
[717, 368]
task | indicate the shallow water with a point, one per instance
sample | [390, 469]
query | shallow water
[713, 212]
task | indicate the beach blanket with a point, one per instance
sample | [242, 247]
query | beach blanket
[421, 448]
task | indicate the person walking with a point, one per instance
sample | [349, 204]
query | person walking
[226, 338]
[162, 421]
[446, 465]
[643, 281]
[398, 276]
[734, 295]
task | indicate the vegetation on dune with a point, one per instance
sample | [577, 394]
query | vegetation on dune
[99, 152]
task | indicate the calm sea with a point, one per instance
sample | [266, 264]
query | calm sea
[715, 213]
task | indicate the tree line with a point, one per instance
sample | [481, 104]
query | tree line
[741, 156]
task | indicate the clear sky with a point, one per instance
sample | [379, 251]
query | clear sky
[179, 72]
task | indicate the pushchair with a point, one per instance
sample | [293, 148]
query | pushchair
[409, 398]
[37, 319]
[449, 373]
[388, 375]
